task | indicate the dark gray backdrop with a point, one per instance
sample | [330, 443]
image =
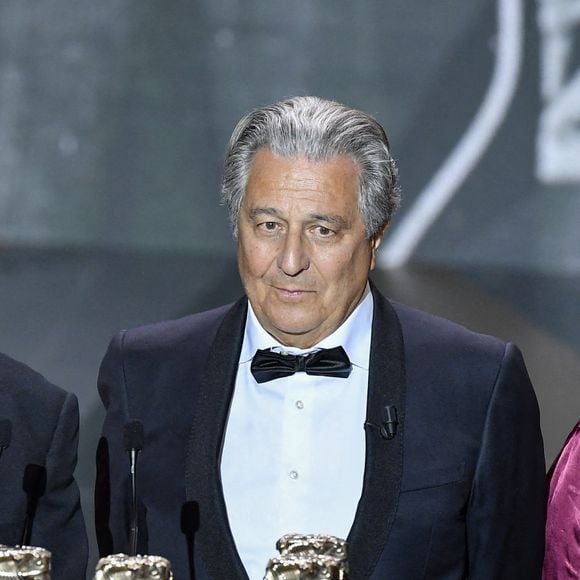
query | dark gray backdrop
[113, 120]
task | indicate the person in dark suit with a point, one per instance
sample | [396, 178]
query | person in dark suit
[314, 404]
[40, 435]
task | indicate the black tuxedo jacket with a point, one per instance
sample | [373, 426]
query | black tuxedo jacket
[45, 422]
[457, 493]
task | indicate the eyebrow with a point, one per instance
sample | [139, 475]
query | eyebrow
[323, 217]
[258, 211]
[330, 218]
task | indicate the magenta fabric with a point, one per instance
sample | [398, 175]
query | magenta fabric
[562, 558]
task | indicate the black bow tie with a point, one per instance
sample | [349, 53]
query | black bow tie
[328, 362]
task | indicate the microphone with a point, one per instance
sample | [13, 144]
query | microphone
[388, 426]
[5, 434]
[133, 438]
[34, 486]
[390, 422]
[189, 517]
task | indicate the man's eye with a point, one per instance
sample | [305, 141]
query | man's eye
[268, 226]
[322, 231]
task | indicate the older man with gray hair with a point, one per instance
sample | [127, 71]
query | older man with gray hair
[314, 404]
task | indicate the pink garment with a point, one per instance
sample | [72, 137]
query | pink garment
[562, 558]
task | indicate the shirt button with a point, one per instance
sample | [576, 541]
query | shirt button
[293, 474]
[299, 405]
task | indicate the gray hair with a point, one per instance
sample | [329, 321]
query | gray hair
[319, 130]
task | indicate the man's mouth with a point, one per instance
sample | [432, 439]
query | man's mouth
[292, 292]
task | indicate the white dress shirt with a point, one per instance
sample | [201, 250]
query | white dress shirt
[294, 450]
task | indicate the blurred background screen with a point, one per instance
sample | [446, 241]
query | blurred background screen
[114, 116]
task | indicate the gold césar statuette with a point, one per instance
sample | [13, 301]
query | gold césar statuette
[123, 567]
[309, 557]
[24, 562]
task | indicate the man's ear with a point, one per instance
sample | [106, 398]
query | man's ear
[376, 242]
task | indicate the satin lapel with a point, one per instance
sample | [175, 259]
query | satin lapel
[203, 482]
[384, 458]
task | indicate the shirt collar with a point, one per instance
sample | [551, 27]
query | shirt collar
[354, 335]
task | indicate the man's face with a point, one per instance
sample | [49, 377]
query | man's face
[303, 253]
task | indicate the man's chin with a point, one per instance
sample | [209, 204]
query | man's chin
[299, 336]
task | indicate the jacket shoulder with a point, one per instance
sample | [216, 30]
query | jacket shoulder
[431, 333]
[19, 380]
[168, 335]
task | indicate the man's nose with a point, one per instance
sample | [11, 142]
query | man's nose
[293, 256]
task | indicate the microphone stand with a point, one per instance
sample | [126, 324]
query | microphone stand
[134, 530]
[133, 438]
[34, 485]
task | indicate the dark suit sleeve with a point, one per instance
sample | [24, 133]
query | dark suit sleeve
[59, 525]
[112, 483]
[505, 518]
